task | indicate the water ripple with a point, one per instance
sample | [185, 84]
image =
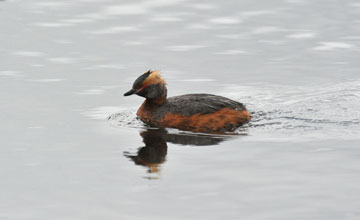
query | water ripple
[126, 118]
[325, 112]
[325, 46]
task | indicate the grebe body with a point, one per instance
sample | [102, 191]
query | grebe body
[192, 112]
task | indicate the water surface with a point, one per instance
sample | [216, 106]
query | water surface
[72, 147]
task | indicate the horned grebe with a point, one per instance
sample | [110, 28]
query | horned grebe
[193, 112]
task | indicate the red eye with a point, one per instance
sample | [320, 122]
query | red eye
[141, 88]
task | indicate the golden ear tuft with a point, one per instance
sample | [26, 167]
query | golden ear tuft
[154, 78]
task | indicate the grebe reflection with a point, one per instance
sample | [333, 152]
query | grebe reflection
[153, 154]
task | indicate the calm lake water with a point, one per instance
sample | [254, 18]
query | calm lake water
[71, 146]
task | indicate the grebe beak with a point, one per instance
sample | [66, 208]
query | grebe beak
[130, 92]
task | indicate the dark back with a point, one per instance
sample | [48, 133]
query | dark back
[192, 104]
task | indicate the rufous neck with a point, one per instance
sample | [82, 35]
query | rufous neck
[157, 101]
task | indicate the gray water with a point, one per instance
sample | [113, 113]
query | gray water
[72, 148]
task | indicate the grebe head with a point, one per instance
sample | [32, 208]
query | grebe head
[149, 85]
